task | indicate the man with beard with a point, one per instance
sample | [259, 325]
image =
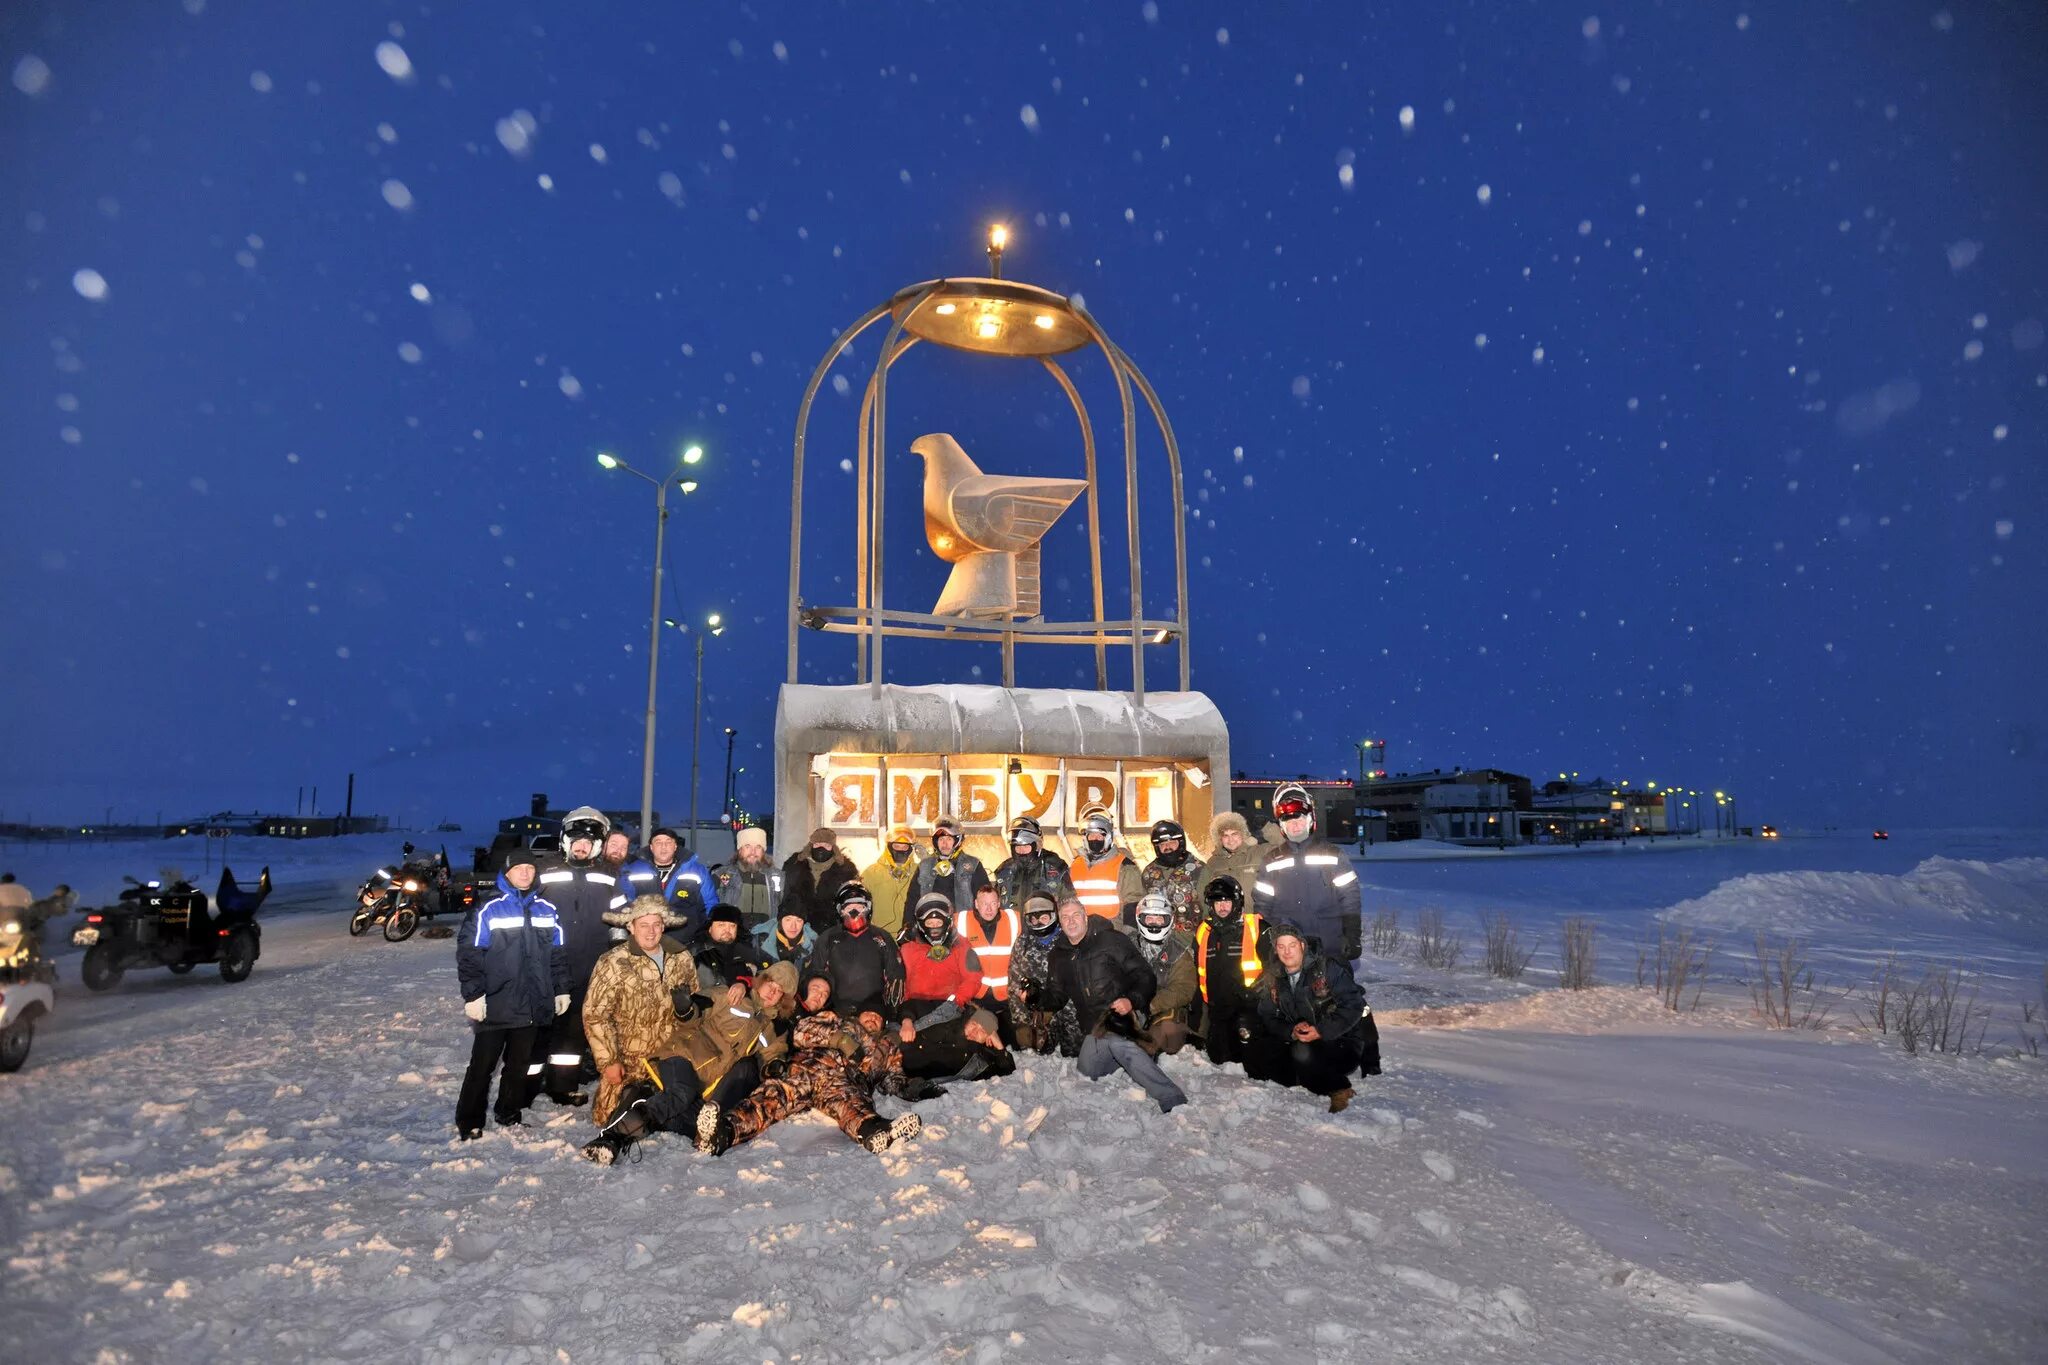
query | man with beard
[813, 876]
[726, 957]
[1313, 1027]
[1174, 874]
[750, 882]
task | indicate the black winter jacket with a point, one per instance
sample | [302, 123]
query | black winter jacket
[510, 953]
[963, 878]
[1322, 993]
[721, 964]
[581, 893]
[1093, 973]
[1041, 874]
[865, 970]
[1313, 885]
[812, 890]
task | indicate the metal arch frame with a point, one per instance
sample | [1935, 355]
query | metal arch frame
[870, 620]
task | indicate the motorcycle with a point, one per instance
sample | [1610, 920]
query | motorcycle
[170, 926]
[26, 994]
[399, 898]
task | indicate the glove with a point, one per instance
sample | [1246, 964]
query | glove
[561, 1004]
[474, 1009]
[917, 1088]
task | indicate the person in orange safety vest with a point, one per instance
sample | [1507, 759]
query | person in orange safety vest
[1232, 948]
[1106, 879]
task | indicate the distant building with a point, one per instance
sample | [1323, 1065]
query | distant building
[1403, 798]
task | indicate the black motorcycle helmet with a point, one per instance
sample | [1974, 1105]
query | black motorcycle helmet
[1167, 831]
[1025, 834]
[1224, 890]
[855, 905]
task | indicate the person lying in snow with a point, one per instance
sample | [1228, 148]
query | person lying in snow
[969, 1048]
[837, 1068]
[1310, 1024]
[667, 1048]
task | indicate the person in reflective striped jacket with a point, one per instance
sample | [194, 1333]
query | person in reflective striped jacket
[1307, 880]
[514, 975]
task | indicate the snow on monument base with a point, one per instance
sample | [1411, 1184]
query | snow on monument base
[863, 763]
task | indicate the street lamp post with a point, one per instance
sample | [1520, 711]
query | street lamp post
[725, 794]
[689, 456]
[715, 626]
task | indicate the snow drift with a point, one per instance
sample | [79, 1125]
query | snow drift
[2007, 895]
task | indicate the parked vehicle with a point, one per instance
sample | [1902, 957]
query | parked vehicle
[27, 980]
[419, 889]
[1880, 834]
[155, 925]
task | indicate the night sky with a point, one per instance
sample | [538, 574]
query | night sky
[1650, 391]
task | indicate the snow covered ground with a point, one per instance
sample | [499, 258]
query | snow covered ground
[197, 1171]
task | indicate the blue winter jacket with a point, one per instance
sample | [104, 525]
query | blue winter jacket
[510, 952]
[687, 888]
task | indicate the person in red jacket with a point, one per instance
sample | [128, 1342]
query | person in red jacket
[941, 974]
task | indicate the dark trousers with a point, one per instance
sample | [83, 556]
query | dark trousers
[514, 1048]
[568, 1052]
[1225, 1015]
[674, 1107]
[1323, 1067]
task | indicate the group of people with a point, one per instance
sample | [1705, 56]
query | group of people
[715, 1002]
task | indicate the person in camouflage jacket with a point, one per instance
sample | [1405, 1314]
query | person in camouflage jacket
[1031, 869]
[837, 1067]
[1174, 873]
[1039, 1030]
[629, 1013]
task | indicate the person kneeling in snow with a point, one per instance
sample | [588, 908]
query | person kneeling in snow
[1310, 1025]
[641, 993]
[838, 1066]
[1099, 970]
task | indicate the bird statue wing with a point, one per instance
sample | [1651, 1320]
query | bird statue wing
[1010, 512]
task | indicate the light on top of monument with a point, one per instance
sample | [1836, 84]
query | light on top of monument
[998, 236]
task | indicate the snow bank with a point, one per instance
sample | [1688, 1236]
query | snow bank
[1939, 893]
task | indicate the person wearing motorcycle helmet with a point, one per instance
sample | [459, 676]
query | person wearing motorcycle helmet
[949, 868]
[1174, 874]
[941, 975]
[1106, 880]
[1308, 881]
[814, 875]
[1032, 869]
[582, 890]
[889, 877]
[1171, 956]
[1038, 1029]
[861, 963]
[1232, 949]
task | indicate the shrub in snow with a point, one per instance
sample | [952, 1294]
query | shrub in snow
[1940, 1012]
[2034, 1019]
[1675, 964]
[1782, 988]
[1575, 957]
[1505, 956]
[1436, 946]
[1386, 933]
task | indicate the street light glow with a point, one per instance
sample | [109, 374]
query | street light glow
[693, 454]
[609, 461]
[998, 236]
[714, 618]
[688, 485]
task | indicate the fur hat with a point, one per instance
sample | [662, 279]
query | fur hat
[1224, 820]
[646, 905]
[782, 974]
[725, 912]
[823, 835]
[753, 837]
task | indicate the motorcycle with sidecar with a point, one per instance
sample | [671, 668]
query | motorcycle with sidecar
[158, 925]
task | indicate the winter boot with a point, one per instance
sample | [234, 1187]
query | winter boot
[1340, 1100]
[714, 1130]
[604, 1149]
[629, 1122]
[879, 1134]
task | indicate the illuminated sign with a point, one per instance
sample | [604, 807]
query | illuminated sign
[986, 793]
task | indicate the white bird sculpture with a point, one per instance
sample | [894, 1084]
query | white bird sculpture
[988, 527]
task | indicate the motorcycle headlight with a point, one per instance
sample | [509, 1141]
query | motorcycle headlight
[412, 886]
[12, 926]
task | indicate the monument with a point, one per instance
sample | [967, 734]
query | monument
[877, 753]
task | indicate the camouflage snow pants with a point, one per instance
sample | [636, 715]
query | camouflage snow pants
[817, 1079]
